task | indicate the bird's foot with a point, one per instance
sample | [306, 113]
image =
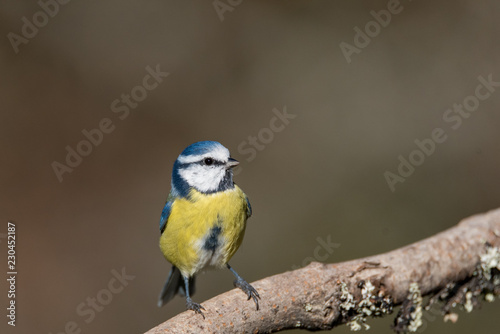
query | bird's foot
[190, 305]
[248, 289]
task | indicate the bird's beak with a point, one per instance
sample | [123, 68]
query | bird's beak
[232, 163]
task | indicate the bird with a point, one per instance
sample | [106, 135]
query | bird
[203, 221]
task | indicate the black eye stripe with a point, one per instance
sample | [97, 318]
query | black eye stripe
[202, 163]
[214, 162]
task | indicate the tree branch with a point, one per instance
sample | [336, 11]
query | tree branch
[322, 296]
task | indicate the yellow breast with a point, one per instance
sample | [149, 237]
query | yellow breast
[204, 229]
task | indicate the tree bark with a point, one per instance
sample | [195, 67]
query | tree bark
[317, 297]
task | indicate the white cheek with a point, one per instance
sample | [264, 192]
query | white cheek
[202, 178]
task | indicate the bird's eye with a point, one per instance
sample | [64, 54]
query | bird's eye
[209, 161]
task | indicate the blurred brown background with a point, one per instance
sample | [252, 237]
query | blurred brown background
[322, 175]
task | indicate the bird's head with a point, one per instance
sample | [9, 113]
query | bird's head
[205, 166]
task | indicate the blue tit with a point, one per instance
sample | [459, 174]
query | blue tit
[203, 221]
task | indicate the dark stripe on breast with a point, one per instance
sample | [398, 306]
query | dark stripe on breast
[212, 241]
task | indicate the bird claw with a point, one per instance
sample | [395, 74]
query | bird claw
[190, 305]
[248, 289]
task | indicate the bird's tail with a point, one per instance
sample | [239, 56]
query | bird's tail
[174, 285]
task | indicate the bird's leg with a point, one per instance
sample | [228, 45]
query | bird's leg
[190, 305]
[245, 287]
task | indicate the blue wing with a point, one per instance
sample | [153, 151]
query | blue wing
[249, 208]
[165, 213]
